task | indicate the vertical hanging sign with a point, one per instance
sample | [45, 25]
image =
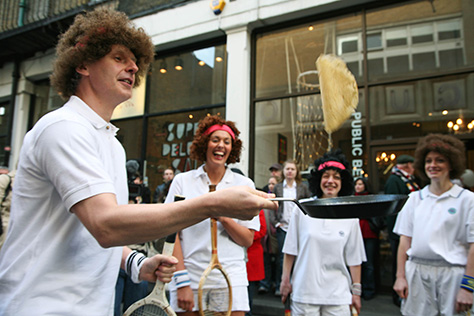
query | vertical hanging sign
[357, 149]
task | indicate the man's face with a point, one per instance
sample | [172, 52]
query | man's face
[168, 175]
[407, 167]
[276, 173]
[112, 77]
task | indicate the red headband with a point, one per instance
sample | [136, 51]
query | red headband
[334, 164]
[218, 127]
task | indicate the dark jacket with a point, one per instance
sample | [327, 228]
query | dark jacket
[394, 185]
[302, 191]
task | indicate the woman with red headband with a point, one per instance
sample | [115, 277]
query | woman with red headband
[318, 251]
[216, 143]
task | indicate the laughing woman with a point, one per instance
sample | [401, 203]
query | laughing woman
[318, 251]
[435, 264]
[217, 144]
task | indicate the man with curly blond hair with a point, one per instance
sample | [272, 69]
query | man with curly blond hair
[70, 218]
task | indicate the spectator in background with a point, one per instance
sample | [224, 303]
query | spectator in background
[467, 179]
[143, 193]
[270, 246]
[370, 229]
[6, 186]
[290, 187]
[276, 171]
[435, 271]
[401, 181]
[255, 263]
[162, 190]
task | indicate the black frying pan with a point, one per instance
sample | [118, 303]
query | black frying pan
[360, 206]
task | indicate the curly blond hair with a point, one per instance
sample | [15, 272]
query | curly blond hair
[198, 148]
[90, 38]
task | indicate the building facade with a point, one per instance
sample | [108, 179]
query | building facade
[254, 64]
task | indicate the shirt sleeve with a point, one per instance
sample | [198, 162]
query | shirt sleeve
[404, 223]
[70, 158]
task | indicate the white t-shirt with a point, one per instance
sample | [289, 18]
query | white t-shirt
[196, 240]
[323, 249]
[441, 227]
[50, 263]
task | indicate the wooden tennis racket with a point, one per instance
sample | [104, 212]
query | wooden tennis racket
[215, 291]
[288, 306]
[156, 303]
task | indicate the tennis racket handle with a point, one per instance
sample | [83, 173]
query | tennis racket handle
[354, 311]
[288, 306]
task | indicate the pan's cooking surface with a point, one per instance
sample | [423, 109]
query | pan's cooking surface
[361, 206]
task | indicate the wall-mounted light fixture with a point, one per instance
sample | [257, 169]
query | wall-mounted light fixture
[218, 59]
[178, 64]
[163, 67]
[201, 63]
[460, 127]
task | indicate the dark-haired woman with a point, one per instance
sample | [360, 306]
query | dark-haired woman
[318, 251]
[435, 267]
[217, 144]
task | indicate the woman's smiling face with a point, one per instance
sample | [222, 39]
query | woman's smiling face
[330, 183]
[437, 166]
[218, 148]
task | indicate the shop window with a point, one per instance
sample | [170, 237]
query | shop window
[190, 79]
[283, 56]
[44, 100]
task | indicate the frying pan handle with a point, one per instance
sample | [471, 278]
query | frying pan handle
[283, 199]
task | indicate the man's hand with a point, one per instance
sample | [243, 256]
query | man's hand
[241, 202]
[158, 267]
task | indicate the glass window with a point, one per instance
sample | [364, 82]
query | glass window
[422, 33]
[131, 135]
[374, 41]
[396, 37]
[414, 109]
[450, 29]
[45, 100]
[188, 80]
[284, 55]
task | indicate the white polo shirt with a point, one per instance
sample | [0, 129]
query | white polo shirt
[323, 249]
[196, 240]
[441, 227]
[50, 264]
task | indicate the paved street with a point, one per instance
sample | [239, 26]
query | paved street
[381, 305]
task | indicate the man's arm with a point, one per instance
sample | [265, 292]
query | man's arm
[118, 225]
